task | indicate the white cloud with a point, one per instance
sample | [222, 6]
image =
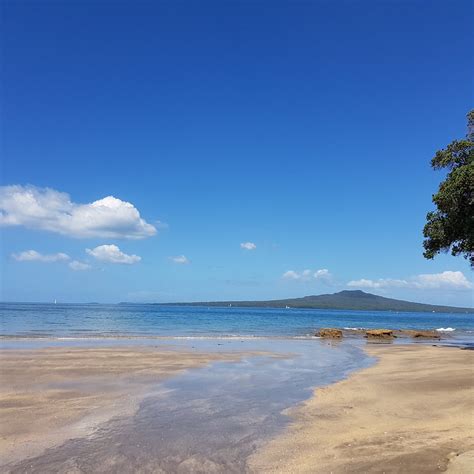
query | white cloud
[112, 254]
[34, 256]
[307, 275]
[79, 266]
[447, 280]
[290, 275]
[380, 283]
[248, 246]
[51, 210]
[180, 259]
[323, 273]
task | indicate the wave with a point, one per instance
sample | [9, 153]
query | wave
[446, 329]
[236, 337]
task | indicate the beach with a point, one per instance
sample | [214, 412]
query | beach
[236, 237]
[412, 412]
[109, 408]
[240, 390]
[51, 395]
[172, 406]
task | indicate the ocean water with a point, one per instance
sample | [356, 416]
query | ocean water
[210, 419]
[144, 320]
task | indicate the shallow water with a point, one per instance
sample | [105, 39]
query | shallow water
[210, 419]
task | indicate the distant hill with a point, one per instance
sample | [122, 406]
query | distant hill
[347, 299]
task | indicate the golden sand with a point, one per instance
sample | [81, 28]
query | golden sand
[412, 412]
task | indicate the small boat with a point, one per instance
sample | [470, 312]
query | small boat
[287, 307]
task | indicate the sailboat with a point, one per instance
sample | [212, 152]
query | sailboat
[55, 301]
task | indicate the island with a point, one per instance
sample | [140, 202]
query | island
[346, 299]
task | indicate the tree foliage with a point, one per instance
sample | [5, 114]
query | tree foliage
[451, 226]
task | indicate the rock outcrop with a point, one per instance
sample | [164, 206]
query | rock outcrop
[330, 333]
[379, 334]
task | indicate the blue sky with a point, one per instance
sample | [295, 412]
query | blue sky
[304, 128]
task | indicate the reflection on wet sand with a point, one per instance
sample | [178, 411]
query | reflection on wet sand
[210, 419]
[51, 395]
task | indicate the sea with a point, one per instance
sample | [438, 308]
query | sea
[214, 418]
[86, 321]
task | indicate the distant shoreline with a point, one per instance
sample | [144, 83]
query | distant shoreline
[350, 300]
[356, 301]
[243, 304]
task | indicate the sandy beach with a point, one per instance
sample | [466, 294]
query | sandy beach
[51, 395]
[412, 412]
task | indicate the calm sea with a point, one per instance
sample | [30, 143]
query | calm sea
[97, 320]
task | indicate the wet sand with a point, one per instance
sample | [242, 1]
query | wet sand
[49, 396]
[120, 409]
[209, 419]
[412, 412]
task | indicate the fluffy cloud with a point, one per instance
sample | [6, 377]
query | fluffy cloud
[34, 256]
[307, 275]
[50, 210]
[112, 254]
[79, 266]
[447, 280]
[180, 259]
[248, 246]
[291, 275]
[323, 273]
